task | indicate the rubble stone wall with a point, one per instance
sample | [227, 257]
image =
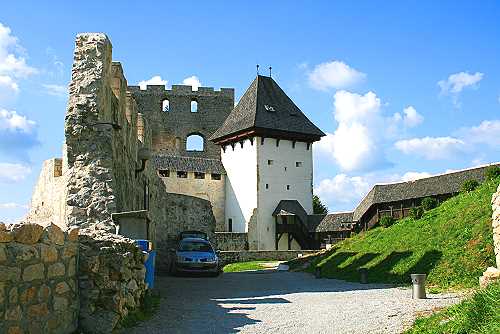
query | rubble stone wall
[38, 284]
[111, 280]
[495, 222]
[231, 241]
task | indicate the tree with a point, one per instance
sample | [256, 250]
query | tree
[429, 203]
[318, 207]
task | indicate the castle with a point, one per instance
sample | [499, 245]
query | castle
[129, 164]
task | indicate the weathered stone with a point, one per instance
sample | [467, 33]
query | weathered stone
[56, 270]
[38, 310]
[15, 330]
[28, 295]
[13, 313]
[27, 233]
[9, 273]
[61, 288]
[72, 267]
[3, 254]
[24, 252]
[60, 303]
[5, 235]
[48, 253]
[56, 235]
[43, 293]
[13, 295]
[69, 251]
[132, 285]
[33, 272]
[73, 234]
[35, 327]
[2, 293]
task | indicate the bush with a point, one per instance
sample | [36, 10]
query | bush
[492, 172]
[387, 221]
[469, 185]
[416, 213]
[429, 203]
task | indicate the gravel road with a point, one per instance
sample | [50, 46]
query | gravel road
[283, 302]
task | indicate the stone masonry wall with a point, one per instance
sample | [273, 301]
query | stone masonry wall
[495, 222]
[231, 241]
[111, 279]
[38, 285]
[244, 256]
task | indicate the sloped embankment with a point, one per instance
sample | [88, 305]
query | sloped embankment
[452, 244]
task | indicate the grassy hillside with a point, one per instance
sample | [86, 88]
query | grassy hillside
[452, 244]
[479, 314]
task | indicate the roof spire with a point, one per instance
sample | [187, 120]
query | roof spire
[270, 71]
[257, 69]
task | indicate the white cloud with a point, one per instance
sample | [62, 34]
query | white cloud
[13, 172]
[411, 176]
[411, 117]
[458, 81]
[12, 62]
[56, 90]
[334, 74]
[8, 83]
[342, 188]
[488, 133]
[431, 148]
[355, 143]
[12, 121]
[12, 205]
[192, 81]
[155, 80]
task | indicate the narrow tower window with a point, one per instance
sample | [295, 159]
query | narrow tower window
[230, 225]
[267, 185]
[298, 164]
[270, 162]
[194, 106]
[195, 143]
[165, 106]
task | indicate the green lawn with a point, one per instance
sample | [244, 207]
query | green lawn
[479, 314]
[452, 244]
[251, 265]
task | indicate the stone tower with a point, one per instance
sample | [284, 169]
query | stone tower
[266, 150]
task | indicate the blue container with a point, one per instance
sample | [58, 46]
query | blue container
[150, 262]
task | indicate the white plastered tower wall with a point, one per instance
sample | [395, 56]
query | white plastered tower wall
[240, 164]
[287, 170]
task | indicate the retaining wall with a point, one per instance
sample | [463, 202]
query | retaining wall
[227, 257]
[231, 241]
[38, 284]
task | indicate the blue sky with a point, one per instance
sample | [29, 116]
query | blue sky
[403, 89]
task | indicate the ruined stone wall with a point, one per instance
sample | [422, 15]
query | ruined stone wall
[38, 285]
[495, 222]
[111, 278]
[231, 241]
[171, 128]
[184, 213]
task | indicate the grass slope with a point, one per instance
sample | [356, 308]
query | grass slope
[452, 244]
[479, 314]
[251, 265]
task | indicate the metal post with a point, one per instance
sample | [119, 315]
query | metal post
[418, 290]
[363, 275]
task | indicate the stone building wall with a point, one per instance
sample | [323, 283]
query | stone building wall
[231, 241]
[207, 189]
[38, 284]
[170, 129]
[111, 278]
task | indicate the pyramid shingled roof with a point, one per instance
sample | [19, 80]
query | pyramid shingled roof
[266, 110]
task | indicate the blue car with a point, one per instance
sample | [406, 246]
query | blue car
[195, 255]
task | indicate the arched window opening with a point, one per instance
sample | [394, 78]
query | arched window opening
[194, 106]
[194, 143]
[165, 106]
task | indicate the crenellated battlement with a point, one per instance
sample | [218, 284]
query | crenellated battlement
[183, 90]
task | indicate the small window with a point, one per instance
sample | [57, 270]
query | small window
[287, 187]
[165, 106]
[293, 144]
[199, 175]
[270, 162]
[262, 140]
[267, 185]
[285, 169]
[182, 175]
[298, 164]
[216, 176]
[164, 172]
[195, 143]
[230, 225]
[277, 142]
[308, 146]
[194, 106]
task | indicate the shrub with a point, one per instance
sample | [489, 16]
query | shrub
[429, 203]
[469, 185]
[417, 212]
[492, 172]
[387, 221]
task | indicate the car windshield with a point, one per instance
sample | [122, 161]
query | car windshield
[195, 246]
